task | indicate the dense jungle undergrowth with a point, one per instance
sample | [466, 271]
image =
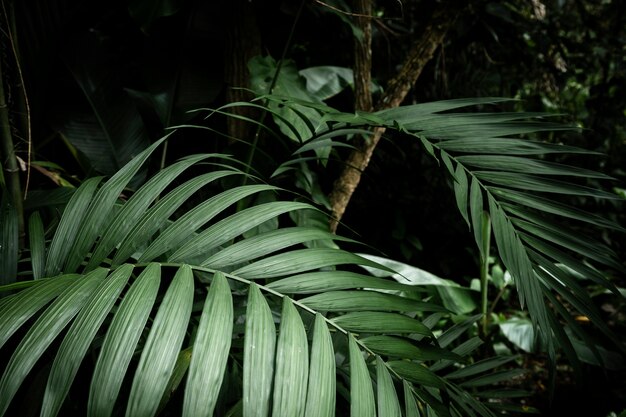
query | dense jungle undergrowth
[241, 208]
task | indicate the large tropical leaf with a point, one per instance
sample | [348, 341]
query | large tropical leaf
[132, 330]
[257, 348]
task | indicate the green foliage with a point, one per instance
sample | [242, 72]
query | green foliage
[158, 267]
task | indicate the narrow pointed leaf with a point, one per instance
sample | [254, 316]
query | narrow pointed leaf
[461, 189]
[506, 146]
[210, 351]
[416, 373]
[554, 207]
[388, 404]
[134, 208]
[516, 259]
[361, 391]
[37, 245]
[366, 300]
[409, 401]
[43, 333]
[322, 380]
[120, 342]
[180, 370]
[481, 366]
[233, 226]
[405, 349]
[23, 305]
[292, 364]
[162, 346]
[374, 322]
[158, 215]
[476, 215]
[265, 244]
[301, 260]
[454, 332]
[258, 356]
[494, 378]
[78, 339]
[537, 183]
[526, 165]
[101, 206]
[69, 226]
[314, 282]
[179, 231]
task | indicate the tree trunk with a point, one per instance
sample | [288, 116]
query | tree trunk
[421, 53]
[243, 42]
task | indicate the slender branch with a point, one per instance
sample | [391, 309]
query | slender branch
[421, 53]
[8, 161]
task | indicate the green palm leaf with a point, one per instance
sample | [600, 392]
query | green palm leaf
[44, 331]
[292, 357]
[121, 340]
[211, 348]
[260, 341]
[162, 346]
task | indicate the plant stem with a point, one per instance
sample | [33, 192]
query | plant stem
[8, 163]
[484, 271]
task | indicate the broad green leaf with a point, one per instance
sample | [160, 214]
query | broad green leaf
[264, 244]
[375, 322]
[69, 226]
[210, 350]
[361, 391]
[78, 339]
[481, 366]
[325, 82]
[457, 299]
[44, 331]
[292, 364]
[158, 215]
[162, 346]
[322, 379]
[23, 305]
[520, 332]
[314, 282]
[120, 342]
[366, 300]
[405, 274]
[37, 245]
[416, 373]
[301, 260]
[101, 206]
[134, 208]
[388, 404]
[258, 356]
